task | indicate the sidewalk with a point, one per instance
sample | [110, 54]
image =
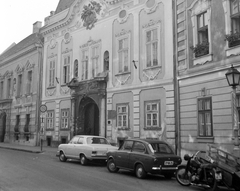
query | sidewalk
[25, 148]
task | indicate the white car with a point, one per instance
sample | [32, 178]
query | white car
[85, 148]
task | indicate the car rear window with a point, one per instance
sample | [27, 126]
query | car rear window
[96, 140]
[161, 148]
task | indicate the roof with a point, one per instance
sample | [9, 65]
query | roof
[31, 39]
[63, 4]
[146, 140]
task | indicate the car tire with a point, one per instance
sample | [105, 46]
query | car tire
[111, 166]
[140, 172]
[62, 157]
[83, 159]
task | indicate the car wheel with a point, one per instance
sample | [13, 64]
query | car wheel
[111, 166]
[83, 159]
[62, 157]
[140, 172]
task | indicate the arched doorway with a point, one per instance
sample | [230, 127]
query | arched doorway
[3, 117]
[88, 117]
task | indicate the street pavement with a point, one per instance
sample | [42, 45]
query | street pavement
[26, 148]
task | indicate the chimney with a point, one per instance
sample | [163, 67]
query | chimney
[36, 26]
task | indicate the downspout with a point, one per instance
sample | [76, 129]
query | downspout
[176, 87]
[39, 46]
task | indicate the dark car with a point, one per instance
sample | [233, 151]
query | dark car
[144, 156]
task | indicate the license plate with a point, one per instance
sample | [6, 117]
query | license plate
[168, 163]
[218, 176]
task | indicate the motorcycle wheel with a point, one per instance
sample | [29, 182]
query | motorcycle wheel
[182, 177]
[212, 182]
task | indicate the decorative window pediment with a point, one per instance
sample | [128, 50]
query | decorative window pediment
[19, 69]
[29, 65]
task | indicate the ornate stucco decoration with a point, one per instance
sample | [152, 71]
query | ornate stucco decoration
[123, 16]
[151, 6]
[89, 14]
[51, 92]
[122, 79]
[66, 51]
[122, 33]
[67, 37]
[19, 69]
[199, 6]
[64, 90]
[151, 23]
[52, 43]
[90, 42]
[8, 74]
[52, 55]
[152, 73]
[29, 65]
[113, 2]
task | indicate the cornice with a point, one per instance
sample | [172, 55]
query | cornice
[3, 63]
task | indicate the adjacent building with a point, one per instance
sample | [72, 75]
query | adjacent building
[207, 44]
[108, 70]
[20, 90]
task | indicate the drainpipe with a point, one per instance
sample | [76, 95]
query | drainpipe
[39, 46]
[176, 86]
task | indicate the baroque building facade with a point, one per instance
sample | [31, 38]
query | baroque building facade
[207, 44]
[108, 70]
[20, 90]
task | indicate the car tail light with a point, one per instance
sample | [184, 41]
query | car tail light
[155, 160]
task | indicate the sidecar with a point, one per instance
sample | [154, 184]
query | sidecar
[228, 164]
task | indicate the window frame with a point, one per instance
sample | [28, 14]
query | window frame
[29, 82]
[1, 89]
[158, 112]
[122, 114]
[95, 57]
[9, 85]
[51, 73]
[51, 119]
[204, 111]
[66, 69]
[75, 71]
[65, 119]
[121, 67]
[85, 63]
[151, 42]
[19, 85]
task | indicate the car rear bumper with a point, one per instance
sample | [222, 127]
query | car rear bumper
[161, 170]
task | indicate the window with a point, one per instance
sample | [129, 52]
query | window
[50, 118]
[51, 73]
[123, 55]
[9, 87]
[19, 90]
[235, 15]
[160, 148]
[1, 90]
[84, 64]
[152, 47]
[16, 128]
[74, 140]
[138, 147]
[29, 82]
[64, 118]
[127, 145]
[66, 69]
[122, 116]
[26, 127]
[75, 68]
[238, 108]
[205, 117]
[95, 60]
[202, 27]
[152, 112]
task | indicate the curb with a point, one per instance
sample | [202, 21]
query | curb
[19, 149]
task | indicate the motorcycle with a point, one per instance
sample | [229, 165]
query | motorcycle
[200, 170]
